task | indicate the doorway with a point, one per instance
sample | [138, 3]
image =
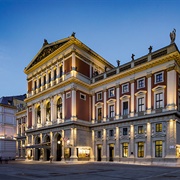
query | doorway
[111, 152]
[99, 150]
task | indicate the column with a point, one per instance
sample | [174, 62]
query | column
[52, 76]
[33, 116]
[73, 103]
[62, 137]
[105, 98]
[149, 93]
[132, 141]
[116, 150]
[33, 150]
[73, 142]
[117, 101]
[93, 107]
[63, 107]
[52, 145]
[92, 149]
[132, 98]
[171, 88]
[42, 82]
[104, 150]
[148, 141]
[52, 109]
[73, 59]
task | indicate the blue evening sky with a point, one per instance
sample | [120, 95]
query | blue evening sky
[113, 28]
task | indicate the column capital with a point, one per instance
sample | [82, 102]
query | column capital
[149, 74]
[171, 68]
[132, 80]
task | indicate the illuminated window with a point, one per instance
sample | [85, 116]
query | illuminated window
[99, 96]
[125, 108]
[82, 96]
[141, 104]
[141, 83]
[158, 148]
[159, 100]
[159, 127]
[124, 149]
[125, 88]
[111, 92]
[158, 78]
[125, 131]
[99, 114]
[111, 111]
[140, 129]
[140, 149]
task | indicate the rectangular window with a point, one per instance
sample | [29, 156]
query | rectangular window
[141, 104]
[99, 114]
[125, 131]
[44, 79]
[111, 133]
[140, 130]
[158, 149]
[99, 96]
[125, 88]
[141, 83]
[35, 85]
[99, 134]
[39, 82]
[61, 72]
[159, 100]
[159, 127]
[111, 111]
[125, 108]
[68, 95]
[158, 77]
[124, 149]
[49, 77]
[140, 149]
[111, 92]
[82, 96]
[55, 74]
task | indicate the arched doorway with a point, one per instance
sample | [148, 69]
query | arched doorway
[37, 150]
[59, 148]
[99, 150]
[47, 149]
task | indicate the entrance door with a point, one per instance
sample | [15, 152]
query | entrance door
[59, 152]
[98, 153]
[111, 152]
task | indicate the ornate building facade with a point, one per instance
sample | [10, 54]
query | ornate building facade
[81, 107]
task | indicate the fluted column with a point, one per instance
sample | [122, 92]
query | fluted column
[93, 107]
[105, 99]
[33, 116]
[132, 141]
[73, 103]
[117, 145]
[132, 98]
[117, 101]
[149, 92]
[73, 141]
[104, 148]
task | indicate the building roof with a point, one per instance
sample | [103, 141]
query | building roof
[8, 100]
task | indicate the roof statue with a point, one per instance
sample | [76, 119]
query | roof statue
[45, 42]
[132, 57]
[118, 63]
[150, 49]
[73, 34]
[173, 36]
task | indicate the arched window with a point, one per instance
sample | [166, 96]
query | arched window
[38, 114]
[59, 108]
[48, 112]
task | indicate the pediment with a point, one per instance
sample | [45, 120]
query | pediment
[46, 50]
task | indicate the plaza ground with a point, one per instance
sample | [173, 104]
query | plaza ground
[19, 170]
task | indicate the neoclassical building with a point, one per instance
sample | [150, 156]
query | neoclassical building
[81, 107]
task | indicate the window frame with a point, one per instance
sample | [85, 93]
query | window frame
[110, 94]
[140, 149]
[97, 96]
[127, 88]
[138, 85]
[158, 148]
[141, 129]
[158, 74]
[81, 94]
[125, 131]
[159, 127]
[125, 149]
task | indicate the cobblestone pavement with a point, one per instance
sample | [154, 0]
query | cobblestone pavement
[19, 170]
